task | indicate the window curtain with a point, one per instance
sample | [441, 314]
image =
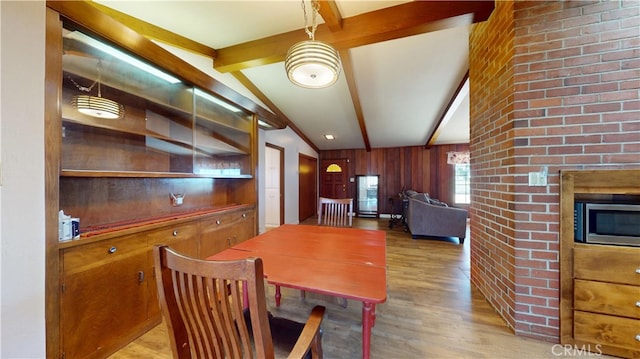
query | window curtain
[456, 158]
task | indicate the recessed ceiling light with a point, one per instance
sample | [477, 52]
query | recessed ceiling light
[329, 137]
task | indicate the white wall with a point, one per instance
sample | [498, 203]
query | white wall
[293, 146]
[22, 232]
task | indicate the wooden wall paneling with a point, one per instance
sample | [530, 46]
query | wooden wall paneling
[426, 169]
[350, 155]
[390, 179]
[358, 162]
[408, 168]
[440, 171]
[379, 163]
[418, 169]
[412, 167]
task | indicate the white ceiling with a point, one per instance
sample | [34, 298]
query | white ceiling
[403, 85]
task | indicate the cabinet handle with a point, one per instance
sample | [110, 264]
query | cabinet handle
[244, 215]
[218, 222]
[638, 304]
[637, 270]
[112, 250]
[638, 337]
[175, 233]
[140, 276]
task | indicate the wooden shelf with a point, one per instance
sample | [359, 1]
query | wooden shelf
[141, 174]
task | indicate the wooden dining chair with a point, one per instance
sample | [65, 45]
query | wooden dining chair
[335, 212]
[202, 303]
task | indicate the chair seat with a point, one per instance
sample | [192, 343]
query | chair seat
[284, 332]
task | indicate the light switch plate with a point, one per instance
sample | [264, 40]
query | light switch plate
[537, 179]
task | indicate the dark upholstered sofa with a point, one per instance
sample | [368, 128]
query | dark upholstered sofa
[430, 217]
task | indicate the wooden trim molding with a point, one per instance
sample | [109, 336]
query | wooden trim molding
[53, 144]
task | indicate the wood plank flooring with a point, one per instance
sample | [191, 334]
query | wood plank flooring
[432, 310]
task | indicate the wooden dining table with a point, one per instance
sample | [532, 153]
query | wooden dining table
[342, 262]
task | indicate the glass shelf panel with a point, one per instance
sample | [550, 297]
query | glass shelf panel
[222, 138]
[160, 131]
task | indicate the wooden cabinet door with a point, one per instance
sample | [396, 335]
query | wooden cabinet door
[215, 235]
[246, 228]
[102, 306]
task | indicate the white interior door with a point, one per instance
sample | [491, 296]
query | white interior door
[272, 187]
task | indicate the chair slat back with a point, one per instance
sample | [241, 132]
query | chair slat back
[203, 304]
[335, 212]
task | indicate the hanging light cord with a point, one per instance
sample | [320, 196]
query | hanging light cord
[88, 89]
[311, 30]
[80, 87]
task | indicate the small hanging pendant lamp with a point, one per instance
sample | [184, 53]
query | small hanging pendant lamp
[312, 63]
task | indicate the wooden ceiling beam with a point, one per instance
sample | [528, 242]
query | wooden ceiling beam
[154, 32]
[441, 121]
[330, 14]
[347, 66]
[412, 18]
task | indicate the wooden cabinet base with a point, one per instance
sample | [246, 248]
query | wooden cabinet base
[608, 330]
[599, 284]
[108, 289]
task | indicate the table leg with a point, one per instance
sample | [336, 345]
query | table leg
[278, 295]
[368, 321]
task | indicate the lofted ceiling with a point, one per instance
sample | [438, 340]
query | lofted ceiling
[404, 80]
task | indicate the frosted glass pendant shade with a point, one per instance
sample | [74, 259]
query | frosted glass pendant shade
[98, 107]
[312, 64]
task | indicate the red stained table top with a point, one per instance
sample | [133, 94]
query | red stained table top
[344, 262]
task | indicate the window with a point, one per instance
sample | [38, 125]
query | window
[462, 185]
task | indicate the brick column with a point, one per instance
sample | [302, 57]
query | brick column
[553, 84]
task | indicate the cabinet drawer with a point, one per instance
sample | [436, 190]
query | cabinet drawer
[606, 329]
[169, 234]
[607, 264]
[223, 220]
[182, 238]
[607, 298]
[85, 257]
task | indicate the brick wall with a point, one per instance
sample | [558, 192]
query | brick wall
[553, 84]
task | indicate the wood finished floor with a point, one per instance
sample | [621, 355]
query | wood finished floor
[432, 311]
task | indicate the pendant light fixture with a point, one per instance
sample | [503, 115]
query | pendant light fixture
[96, 106]
[312, 63]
